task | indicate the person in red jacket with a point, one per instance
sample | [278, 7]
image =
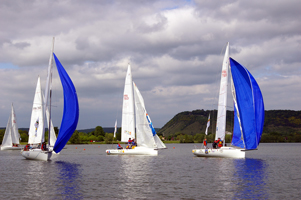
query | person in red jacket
[220, 143]
[205, 143]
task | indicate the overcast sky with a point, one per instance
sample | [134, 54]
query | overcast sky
[175, 48]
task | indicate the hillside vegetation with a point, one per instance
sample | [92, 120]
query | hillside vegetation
[279, 125]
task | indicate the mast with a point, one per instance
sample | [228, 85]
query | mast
[48, 93]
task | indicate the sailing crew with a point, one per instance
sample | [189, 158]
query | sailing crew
[43, 147]
[119, 146]
[26, 147]
[214, 144]
[220, 143]
[133, 143]
[205, 143]
[130, 143]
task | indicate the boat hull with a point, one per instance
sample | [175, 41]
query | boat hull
[135, 151]
[36, 154]
[11, 148]
[223, 152]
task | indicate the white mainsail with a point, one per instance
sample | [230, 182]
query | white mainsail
[208, 124]
[128, 121]
[144, 133]
[48, 88]
[115, 128]
[36, 132]
[222, 101]
[11, 134]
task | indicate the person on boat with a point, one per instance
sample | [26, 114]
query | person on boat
[205, 143]
[220, 143]
[127, 147]
[214, 144]
[119, 146]
[129, 142]
[26, 147]
[133, 143]
[217, 142]
[43, 147]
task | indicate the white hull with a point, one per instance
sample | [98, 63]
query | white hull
[223, 152]
[37, 154]
[135, 151]
[53, 152]
[11, 148]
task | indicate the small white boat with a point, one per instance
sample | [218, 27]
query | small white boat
[248, 112]
[38, 150]
[146, 137]
[11, 136]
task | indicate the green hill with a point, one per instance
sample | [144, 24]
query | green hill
[284, 122]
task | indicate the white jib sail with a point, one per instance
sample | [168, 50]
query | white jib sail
[222, 101]
[144, 133]
[159, 143]
[128, 121]
[15, 133]
[7, 139]
[52, 133]
[36, 132]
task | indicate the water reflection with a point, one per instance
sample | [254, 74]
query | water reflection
[69, 180]
[36, 179]
[250, 178]
[137, 172]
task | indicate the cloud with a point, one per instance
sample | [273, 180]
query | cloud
[175, 49]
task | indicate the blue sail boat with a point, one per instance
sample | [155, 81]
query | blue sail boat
[248, 112]
[69, 119]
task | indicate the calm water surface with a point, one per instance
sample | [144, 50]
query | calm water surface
[272, 172]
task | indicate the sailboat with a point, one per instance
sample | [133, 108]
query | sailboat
[41, 115]
[35, 133]
[145, 135]
[248, 112]
[115, 129]
[11, 136]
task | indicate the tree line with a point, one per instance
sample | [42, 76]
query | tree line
[99, 136]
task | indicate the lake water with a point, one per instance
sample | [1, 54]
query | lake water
[272, 172]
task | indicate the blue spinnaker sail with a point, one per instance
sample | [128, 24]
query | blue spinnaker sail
[250, 107]
[236, 137]
[71, 109]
